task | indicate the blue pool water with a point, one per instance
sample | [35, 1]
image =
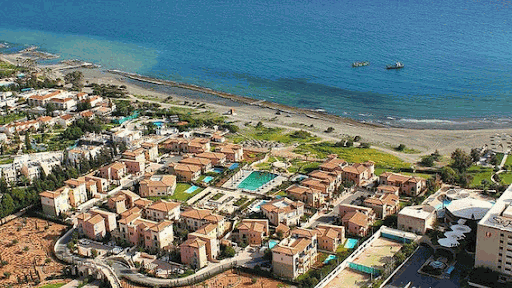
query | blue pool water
[446, 203]
[158, 123]
[255, 180]
[191, 189]
[329, 258]
[261, 203]
[207, 179]
[218, 170]
[233, 166]
[351, 243]
[272, 243]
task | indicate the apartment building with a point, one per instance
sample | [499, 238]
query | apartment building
[157, 185]
[333, 164]
[55, 202]
[185, 172]
[115, 171]
[310, 196]
[253, 231]
[163, 210]
[214, 157]
[233, 152]
[195, 218]
[146, 233]
[359, 173]
[383, 205]
[283, 211]
[92, 226]
[295, 255]
[408, 185]
[494, 237]
[330, 237]
[417, 219]
[150, 150]
[205, 164]
[193, 253]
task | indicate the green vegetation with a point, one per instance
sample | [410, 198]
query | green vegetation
[6, 161]
[379, 171]
[404, 149]
[478, 174]
[499, 157]
[4, 119]
[241, 201]
[508, 161]
[109, 91]
[217, 196]
[352, 154]
[506, 178]
[8, 70]
[180, 194]
[303, 167]
[260, 132]
[57, 285]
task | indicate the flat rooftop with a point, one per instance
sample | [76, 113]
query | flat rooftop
[498, 217]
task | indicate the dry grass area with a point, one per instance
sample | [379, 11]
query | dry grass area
[243, 280]
[379, 253]
[26, 247]
[349, 279]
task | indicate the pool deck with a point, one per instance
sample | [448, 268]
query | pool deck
[242, 174]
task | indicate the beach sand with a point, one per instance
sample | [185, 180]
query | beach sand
[382, 138]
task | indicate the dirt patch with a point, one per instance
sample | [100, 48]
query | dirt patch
[379, 253]
[233, 280]
[349, 279]
[26, 247]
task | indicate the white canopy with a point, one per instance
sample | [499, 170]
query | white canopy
[448, 242]
[469, 208]
[461, 228]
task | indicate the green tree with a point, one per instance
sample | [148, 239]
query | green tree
[28, 146]
[461, 160]
[76, 79]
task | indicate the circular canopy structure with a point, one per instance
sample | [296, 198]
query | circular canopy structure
[461, 228]
[448, 242]
[279, 164]
[454, 235]
[469, 208]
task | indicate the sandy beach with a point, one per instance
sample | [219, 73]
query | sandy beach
[250, 110]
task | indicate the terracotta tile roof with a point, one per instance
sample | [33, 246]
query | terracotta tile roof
[164, 206]
[160, 226]
[299, 190]
[46, 96]
[198, 214]
[129, 194]
[355, 169]
[48, 194]
[95, 219]
[44, 118]
[196, 161]
[315, 183]
[357, 218]
[83, 216]
[214, 218]
[206, 229]
[388, 188]
[257, 225]
[306, 233]
[297, 246]
[283, 228]
[129, 218]
[332, 164]
[132, 211]
[211, 155]
[163, 181]
[322, 175]
[142, 202]
[66, 117]
[194, 243]
[287, 206]
[185, 167]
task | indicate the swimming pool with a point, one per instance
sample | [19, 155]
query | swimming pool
[445, 203]
[207, 179]
[191, 189]
[255, 180]
[158, 123]
[272, 243]
[329, 258]
[258, 208]
[233, 166]
[351, 243]
[218, 170]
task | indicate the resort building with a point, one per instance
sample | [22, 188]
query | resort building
[65, 120]
[408, 185]
[208, 234]
[417, 219]
[196, 218]
[333, 164]
[294, 256]
[310, 196]
[93, 227]
[330, 237]
[214, 157]
[233, 152]
[283, 211]
[182, 145]
[163, 210]
[115, 171]
[157, 185]
[203, 163]
[122, 201]
[126, 136]
[108, 217]
[252, 231]
[388, 189]
[193, 253]
[494, 237]
[356, 223]
[101, 183]
[150, 151]
[384, 205]
[360, 173]
[55, 202]
[347, 208]
[185, 172]
[146, 233]
[324, 186]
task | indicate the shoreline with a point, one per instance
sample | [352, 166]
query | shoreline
[248, 110]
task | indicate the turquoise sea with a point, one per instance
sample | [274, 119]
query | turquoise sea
[457, 53]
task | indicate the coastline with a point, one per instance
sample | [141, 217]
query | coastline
[292, 118]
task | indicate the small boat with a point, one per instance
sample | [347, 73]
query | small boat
[398, 65]
[360, 64]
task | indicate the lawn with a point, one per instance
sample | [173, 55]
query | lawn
[180, 194]
[508, 161]
[56, 285]
[6, 161]
[499, 157]
[379, 171]
[303, 167]
[217, 196]
[273, 134]
[506, 178]
[241, 201]
[478, 174]
[352, 154]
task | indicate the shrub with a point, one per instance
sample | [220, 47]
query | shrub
[329, 130]
[400, 147]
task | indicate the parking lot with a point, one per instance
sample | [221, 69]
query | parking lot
[409, 273]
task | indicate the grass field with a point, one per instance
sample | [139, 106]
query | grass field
[379, 253]
[478, 174]
[180, 194]
[499, 157]
[506, 177]
[349, 279]
[11, 117]
[379, 171]
[303, 167]
[272, 134]
[56, 285]
[508, 161]
[353, 154]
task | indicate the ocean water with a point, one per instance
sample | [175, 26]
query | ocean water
[457, 53]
